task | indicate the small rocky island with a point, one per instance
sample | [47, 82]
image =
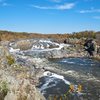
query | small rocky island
[24, 61]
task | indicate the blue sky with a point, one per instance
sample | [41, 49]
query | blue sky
[50, 16]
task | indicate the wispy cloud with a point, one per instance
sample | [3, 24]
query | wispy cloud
[3, 3]
[88, 0]
[92, 10]
[57, 7]
[96, 17]
[6, 4]
[57, 1]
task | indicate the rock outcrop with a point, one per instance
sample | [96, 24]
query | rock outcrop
[44, 49]
[17, 82]
[33, 44]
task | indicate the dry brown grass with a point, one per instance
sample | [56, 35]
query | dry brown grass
[24, 45]
[8, 35]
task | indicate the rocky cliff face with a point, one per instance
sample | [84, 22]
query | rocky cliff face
[17, 82]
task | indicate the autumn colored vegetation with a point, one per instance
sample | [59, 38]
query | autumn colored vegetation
[10, 36]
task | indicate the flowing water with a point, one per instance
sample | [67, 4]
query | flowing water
[82, 72]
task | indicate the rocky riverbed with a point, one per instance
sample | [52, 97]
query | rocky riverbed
[24, 62]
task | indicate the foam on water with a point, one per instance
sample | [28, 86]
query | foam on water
[70, 71]
[51, 80]
[66, 61]
[40, 47]
[14, 50]
[46, 84]
[49, 74]
[48, 49]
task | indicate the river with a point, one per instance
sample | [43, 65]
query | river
[82, 72]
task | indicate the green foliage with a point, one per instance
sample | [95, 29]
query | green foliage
[85, 34]
[3, 89]
[10, 60]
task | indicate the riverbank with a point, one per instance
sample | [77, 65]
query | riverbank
[17, 82]
[97, 57]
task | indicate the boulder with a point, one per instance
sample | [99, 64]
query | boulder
[23, 91]
[22, 45]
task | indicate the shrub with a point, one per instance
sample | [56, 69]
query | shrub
[10, 60]
[3, 90]
[24, 45]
